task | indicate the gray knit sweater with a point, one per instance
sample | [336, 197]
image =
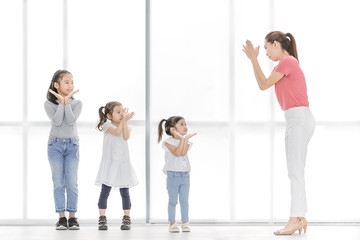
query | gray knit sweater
[63, 118]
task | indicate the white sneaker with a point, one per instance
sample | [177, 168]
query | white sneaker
[173, 228]
[185, 227]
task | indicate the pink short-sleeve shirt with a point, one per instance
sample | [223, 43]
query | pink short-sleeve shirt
[291, 89]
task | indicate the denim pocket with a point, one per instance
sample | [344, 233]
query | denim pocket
[51, 140]
[75, 141]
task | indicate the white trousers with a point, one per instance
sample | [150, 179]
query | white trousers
[300, 126]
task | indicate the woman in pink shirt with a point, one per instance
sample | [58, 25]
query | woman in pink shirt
[291, 93]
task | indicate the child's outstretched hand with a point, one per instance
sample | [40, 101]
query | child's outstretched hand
[63, 100]
[129, 116]
[67, 98]
[126, 115]
[58, 96]
[190, 135]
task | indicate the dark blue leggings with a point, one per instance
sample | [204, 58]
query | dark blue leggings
[105, 192]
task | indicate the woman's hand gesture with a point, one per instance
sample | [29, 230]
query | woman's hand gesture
[58, 96]
[251, 52]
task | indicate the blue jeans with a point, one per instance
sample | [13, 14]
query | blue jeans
[104, 195]
[63, 155]
[178, 186]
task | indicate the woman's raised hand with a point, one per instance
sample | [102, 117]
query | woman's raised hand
[68, 97]
[251, 52]
[58, 96]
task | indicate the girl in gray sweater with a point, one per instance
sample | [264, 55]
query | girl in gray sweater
[63, 146]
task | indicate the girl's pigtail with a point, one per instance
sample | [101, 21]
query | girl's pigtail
[102, 117]
[160, 129]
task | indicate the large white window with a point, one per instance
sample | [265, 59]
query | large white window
[11, 61]
[190, 78]
[106, 54]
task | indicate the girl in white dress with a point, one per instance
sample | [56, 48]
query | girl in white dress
[115, 169]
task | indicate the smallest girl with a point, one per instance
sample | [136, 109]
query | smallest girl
[115, 169]
[177, 168]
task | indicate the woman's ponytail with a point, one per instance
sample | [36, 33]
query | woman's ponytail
[102, 117]
[160, 129]
[292, 49]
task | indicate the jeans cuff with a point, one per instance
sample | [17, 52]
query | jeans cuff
[60, 210]
[71, 210]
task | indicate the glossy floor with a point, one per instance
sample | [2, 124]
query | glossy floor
[160, 232]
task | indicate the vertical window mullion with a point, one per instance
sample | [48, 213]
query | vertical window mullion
[147, 109]
[25, 109]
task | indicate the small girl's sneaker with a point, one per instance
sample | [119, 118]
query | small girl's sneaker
[126, 223]
[173, 228]
[102, 223]
[185, 227]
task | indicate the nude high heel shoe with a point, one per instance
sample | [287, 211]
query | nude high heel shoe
[305, 224]
[298, 226]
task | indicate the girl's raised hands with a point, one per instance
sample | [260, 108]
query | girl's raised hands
[126, 115]
[190, 135]
[129, 116]
[181, 136]
[63, 100]
[68, 97]
[251, 52]
[58, 96]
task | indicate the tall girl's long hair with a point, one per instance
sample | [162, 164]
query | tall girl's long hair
[56, 78]
[286, 40]
[169, 123]
[104, 111]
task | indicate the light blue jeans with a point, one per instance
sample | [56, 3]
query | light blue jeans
[178, 186]
[63, 155]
